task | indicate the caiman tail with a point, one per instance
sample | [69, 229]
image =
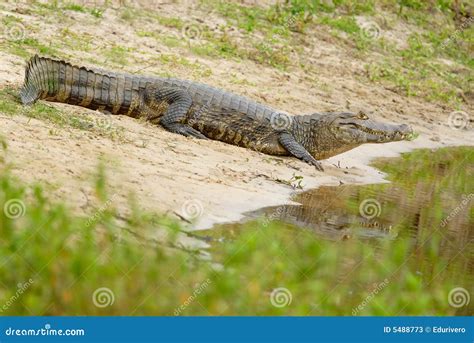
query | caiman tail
[31, 90]
[59, 81]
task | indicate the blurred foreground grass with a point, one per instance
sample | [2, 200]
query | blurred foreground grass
[56, 263]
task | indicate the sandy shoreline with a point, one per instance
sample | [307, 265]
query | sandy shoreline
[358, 171]
[207, 181]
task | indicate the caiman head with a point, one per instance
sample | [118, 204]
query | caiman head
[335, 133]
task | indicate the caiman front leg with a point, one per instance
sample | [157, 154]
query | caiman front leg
[297, 150]
[179, 102]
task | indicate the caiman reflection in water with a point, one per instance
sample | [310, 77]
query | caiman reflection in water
[325, 211]
[431, 192]
[422, 220]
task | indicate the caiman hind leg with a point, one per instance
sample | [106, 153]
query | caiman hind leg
[297, 150]
[179, 102]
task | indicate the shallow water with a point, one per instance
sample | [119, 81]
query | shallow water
[425, 187]
[431, 193]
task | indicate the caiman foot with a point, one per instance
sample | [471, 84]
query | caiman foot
[297, 150]
[179, 102]
[184, 130]
[312, 161]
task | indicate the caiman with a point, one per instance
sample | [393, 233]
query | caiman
[197, 110]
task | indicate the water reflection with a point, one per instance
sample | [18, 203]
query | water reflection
[425, 196]
[431, 195]
[325, 211]
[428, 207]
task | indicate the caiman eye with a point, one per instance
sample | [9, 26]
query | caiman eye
[362, 116]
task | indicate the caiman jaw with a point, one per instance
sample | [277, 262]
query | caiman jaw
[356, 129]
[384, 133]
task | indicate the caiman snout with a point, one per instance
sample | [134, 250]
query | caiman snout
[404, 131]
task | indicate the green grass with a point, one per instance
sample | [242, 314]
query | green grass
[9, 19]
[68, 257]
[278, 57]
[345, 24]
[74, 7]
[273, 36]
[27, 46]
[97, 12]
[58, 6]
[411, 70]
[176, 23]
[10, 105]
[118, 55]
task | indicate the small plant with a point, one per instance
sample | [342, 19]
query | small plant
[97, 12]
[296, 181]
[74, 7]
